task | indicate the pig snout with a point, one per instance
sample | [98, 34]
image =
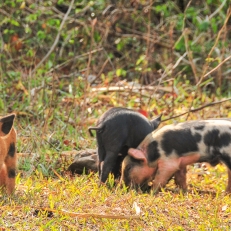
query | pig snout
[136, 174]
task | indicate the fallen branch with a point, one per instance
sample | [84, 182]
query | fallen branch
[94, 215]
[198, 109]
[73, 214]
[129, 89]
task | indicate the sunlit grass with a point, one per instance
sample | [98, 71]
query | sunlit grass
[41, 203]
[47, 198]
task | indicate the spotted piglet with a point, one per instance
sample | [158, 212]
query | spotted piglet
[8, 159]
[167, 152]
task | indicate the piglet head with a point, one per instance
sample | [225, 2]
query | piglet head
[135, 169]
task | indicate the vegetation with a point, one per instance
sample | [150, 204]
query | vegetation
[63, 63]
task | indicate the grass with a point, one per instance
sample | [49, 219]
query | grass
[47, 198]
[65, 203]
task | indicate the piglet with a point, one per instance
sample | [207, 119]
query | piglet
[167, 152]
[8, 158]
[117, 130]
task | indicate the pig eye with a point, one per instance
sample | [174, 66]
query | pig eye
[128, 167]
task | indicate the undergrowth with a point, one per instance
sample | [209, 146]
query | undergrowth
[48, 198]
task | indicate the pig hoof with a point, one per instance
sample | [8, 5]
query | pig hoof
[228, 191]
[102, 184]
[154, 191]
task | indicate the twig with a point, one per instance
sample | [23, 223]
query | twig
[181, 57]
[198, 109]
[73, 214]
[133, 89]
[101, 71]
[205, 67]
[93, 22]
[56, 39]
[218, 36]
[217, 10]
[189, 54]
[148, 51]
[215, 68]
[75, 58]
[95, 215]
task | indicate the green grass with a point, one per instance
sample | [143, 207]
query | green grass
[42, 203]
[47, 198]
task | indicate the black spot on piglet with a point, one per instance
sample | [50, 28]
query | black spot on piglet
[225, 139]
[214, 138]
[11, 173]
[11, 150]
[181, 141]
[152, 150]
[197, 137]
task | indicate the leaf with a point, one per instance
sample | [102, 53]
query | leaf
[121, 72]
[21, 87]
[14, 22]
[141, 59]
[23, 5]
[137, 208]
[1, 104]
[143, 112]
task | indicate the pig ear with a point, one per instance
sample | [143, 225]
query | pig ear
[137, 154]
[156, 121]
[6, 123]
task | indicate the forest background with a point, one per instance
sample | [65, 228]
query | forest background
[64, 63]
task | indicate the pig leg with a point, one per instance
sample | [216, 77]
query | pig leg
[117, 168]
[180, 178]
[101, 156]
[7, 176]
[166, 168]
[228, 189]
[226, 159]
[108, 165]
[10, 174]
[3, 175]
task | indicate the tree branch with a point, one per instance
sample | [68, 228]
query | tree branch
[197, 109]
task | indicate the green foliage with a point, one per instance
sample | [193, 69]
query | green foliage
[125, 39]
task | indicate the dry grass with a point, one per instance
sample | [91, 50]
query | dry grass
[48, 199]
[79, 204]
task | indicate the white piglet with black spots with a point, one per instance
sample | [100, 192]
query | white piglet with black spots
[168, 150]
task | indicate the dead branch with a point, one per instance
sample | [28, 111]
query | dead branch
[132, 89]
[197, 109]
[73, 214]
[215, 68]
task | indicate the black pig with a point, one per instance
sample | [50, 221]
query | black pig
[117, 130]
[169, 150]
